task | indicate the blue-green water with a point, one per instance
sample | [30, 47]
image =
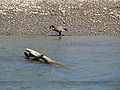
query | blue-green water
[95, 63]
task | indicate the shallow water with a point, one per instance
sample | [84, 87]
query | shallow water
[94, 62]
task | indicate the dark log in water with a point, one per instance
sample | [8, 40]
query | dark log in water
[35, 56]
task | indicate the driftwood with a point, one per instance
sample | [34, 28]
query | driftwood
[33, 55]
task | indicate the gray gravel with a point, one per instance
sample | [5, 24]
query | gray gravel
[96, 17]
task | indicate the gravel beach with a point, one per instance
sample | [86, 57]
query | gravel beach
[81, 17]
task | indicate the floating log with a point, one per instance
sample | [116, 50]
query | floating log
[34, 55]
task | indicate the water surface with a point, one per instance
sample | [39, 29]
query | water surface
[95, 63]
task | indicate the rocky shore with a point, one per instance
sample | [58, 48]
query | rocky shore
[26, 17]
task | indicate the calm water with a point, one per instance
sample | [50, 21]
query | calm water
[95, 63]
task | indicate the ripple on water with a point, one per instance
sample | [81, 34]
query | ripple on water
[94, 61]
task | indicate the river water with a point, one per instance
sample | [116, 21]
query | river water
[94, 63]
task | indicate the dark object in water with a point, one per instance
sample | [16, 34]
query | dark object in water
[58, 29]
[35, 56]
